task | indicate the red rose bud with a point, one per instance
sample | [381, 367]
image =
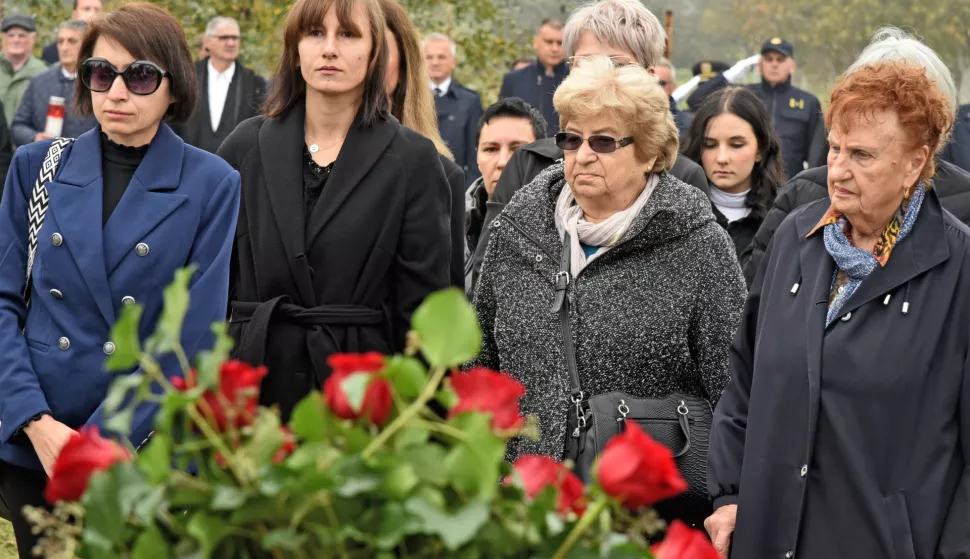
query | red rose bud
[682, 542]
[85, 453]
[287, 448]
[378, 399]
[637, 470]
[484, 391]
[539, 472]
[237, 397]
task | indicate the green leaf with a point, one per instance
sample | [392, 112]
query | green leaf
[103, 515]
[395, 523]
[208, 530]
[455, 529]
[307, 421]
[119, 389]
[288, 540]
[155, 459]
[209, 362]
[355, 388]
[150, 545]
[407, 375]
[228, 498]
[120, 422]
[148, 506]
[411, 436]
[448, 328]
[473, 465]
[399, 481]
[426, 461]
[176, 298]
[173, 404]
[124, 334]
[266, 439]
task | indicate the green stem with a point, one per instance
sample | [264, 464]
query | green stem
[190, 482]
[414, 409]
[443, 428]
[217, 442]
[183, 359]
[592, 513]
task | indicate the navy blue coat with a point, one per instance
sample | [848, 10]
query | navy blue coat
[31, 117]
[536, 88]
[459, 111]
[851, 440]
[958, 150]
[182, 203]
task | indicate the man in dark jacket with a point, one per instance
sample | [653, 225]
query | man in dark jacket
[536, 84]
[229, 93]
[30, 124]
[459, 108]
[84, 10]
[958, 150]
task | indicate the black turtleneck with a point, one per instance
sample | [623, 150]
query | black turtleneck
[118, 166]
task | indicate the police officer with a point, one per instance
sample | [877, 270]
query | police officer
[797, 114]
[459, 108]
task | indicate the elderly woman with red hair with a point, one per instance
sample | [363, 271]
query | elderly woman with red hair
[845, 429]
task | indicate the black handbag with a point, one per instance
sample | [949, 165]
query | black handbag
[680, 422]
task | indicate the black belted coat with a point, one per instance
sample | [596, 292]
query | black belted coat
[377, 243]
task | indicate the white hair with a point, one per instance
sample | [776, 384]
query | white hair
[665, 63]
[625, 24]
[891, 43]
[210, 29]
[440, 37]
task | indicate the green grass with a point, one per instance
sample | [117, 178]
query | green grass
[8, 550]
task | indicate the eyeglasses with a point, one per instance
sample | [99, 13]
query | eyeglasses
[600, 144]
[227, 38]
[617, 59]
[141, 77]
[663, 83]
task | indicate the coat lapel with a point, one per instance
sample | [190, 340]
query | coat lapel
[230, 109]
[281, 153]
[361, 150]
[75, 200]
[149, 198]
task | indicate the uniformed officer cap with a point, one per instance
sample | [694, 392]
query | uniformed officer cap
[707, 69]
[778, 44]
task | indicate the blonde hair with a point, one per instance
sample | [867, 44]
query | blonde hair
[412, 102]
[629, 94]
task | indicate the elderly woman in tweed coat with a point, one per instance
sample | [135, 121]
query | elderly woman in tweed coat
[655, 292]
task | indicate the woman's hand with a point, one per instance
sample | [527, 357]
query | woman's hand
[720, 526]
[48, 436]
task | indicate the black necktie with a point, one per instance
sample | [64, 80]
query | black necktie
[437, 92]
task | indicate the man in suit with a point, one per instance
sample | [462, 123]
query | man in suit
[459, 108]
[84, 10]
[229, 93]
[536, 84]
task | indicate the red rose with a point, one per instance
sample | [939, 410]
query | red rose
[85, 453]
[485, 391]
[638, 470]
[682, 542]
[237, 398]
[287, 448]
[538, 472]
[377, 398]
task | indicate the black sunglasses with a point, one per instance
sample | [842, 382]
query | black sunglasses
[141, 77]
[600, 144]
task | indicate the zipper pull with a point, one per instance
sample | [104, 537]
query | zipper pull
[562, 282]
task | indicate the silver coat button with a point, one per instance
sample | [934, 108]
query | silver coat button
[789, 555]
[56, 293]
[127, 300]
[57, 240]
[108, 348]
[64, 343]
[141, 249]
[804, 470]
[847, 317]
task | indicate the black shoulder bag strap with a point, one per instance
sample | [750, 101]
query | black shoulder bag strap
[561, 304]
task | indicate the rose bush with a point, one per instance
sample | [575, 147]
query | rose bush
[365, 468]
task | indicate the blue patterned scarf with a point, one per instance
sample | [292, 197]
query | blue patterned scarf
[855, 262]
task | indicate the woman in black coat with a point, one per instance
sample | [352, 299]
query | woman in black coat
[344, 224]
[845, 429]
[733, 139]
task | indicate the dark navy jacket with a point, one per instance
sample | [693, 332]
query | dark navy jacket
[459, 111]
[31, 117]
[179, 209]
[958, 151]
[536, 88]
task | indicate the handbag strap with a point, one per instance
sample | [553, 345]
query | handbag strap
[561, 304]
[37, 206]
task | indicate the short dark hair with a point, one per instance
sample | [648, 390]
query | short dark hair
[514, 107]
[768, 175]
[522, 60]
[551, 23]
[148, 33]
[288, 86]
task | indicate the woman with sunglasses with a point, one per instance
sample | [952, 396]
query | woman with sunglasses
[345, 219]
[129, 205]
[653, 285]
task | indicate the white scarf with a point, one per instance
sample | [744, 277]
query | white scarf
[569, 217]
[732, 206]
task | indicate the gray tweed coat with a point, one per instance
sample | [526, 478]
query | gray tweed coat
[654, 315]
